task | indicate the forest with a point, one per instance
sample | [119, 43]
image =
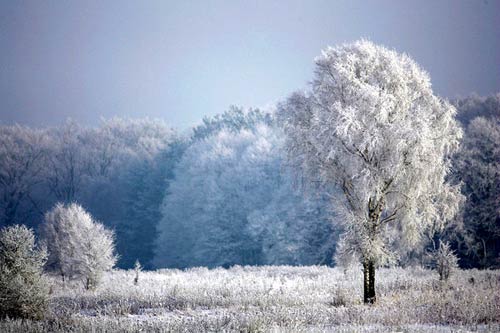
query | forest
[222, 193]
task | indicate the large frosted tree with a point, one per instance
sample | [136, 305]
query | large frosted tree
[372, 126]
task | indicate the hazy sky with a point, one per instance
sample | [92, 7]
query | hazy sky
[181, 60]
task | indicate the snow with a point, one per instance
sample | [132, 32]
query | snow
[275, 298]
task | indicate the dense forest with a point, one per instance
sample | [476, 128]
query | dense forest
[223, 193]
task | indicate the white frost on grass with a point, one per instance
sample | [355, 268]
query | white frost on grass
[274, 298]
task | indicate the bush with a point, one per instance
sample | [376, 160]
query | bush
[445, 260]
[24, 290]
[137, 270]
[79, 247]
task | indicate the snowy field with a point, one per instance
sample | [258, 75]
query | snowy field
[276, 299]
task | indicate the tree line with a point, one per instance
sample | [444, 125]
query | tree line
[223, 193]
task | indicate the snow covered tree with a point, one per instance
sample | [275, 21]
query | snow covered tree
[143, 187]
[372, 126]
[142, 138]
[97, 244]
[141, 155]
[68, 162]
[474, 106]
[233, 120]
[294, 228]
[137, 270]
[478, 164]
[119, 170]
[231, 203]
[60, 233]
[444, 260]
[23, 153]
[78, 246]
[218, 182]
[24, 291]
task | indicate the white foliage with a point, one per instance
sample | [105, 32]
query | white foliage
[232, 202]
[24, 290]
[445, 260]
[141, 137]
[218, 182]
[23, 153]
[294, 228]
[78, 246]
[372, 126]
[70, 162]
[80, 155]
[478, 163]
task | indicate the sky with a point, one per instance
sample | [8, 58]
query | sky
[182, 60]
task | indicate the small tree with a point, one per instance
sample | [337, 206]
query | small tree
[24, 291]
[137, 270]
[78, 246]
[372, 126]
[98, 254]
[444, 260]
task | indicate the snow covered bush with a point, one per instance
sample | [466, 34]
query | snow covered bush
[78, 246]
[24, 291]
[445, 261]
[137, 270]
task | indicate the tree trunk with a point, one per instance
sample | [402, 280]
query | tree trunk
[485, 255]
[87, 283]
[369, 296]
[371, 292]
[366, 281]
[375, 208]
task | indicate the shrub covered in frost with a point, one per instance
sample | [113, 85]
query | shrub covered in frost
[445, 260]
[23, 289]
[137, 270]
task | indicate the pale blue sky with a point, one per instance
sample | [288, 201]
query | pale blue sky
[181, 60]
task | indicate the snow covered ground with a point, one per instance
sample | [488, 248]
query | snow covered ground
[273, 298]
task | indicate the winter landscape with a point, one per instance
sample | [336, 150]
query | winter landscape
[175, 167]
